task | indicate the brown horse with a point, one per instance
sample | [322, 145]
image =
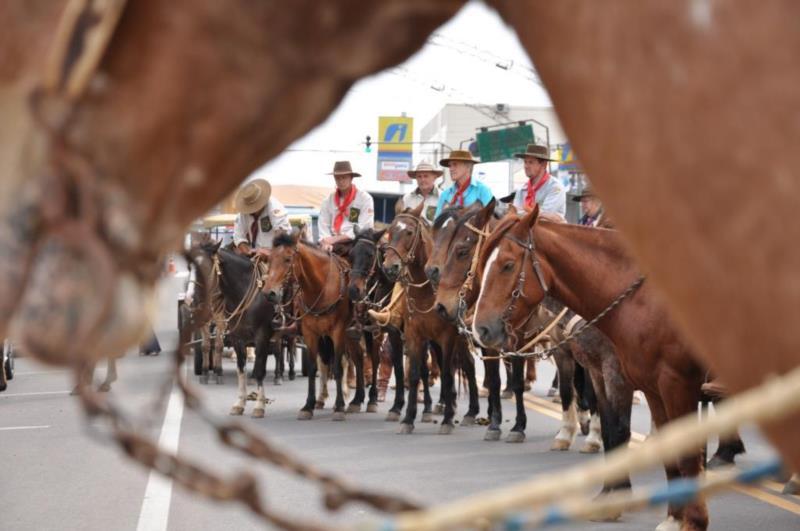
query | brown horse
[325, 314]
[587, 269]
[405, 256]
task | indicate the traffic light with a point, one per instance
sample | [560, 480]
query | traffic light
[368, 144]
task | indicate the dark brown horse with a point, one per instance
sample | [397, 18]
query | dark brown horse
[320, 282]
[406, 254]
[587, 269]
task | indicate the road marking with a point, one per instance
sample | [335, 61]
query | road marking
[40, 393]
[158, 493]
[14, 428]
[551, 409]
[36, 373]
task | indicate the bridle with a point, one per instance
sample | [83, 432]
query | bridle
[369, 274]
[404, 278]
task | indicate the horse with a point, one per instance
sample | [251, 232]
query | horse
[404, 261]
[369, 286]
[320, 284]
[248, 314]
[591, 272]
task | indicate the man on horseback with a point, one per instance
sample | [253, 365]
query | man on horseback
[344, 209]
[426, 191]
[260, 216]
[594, 214]
[465, 190]
[541, 188]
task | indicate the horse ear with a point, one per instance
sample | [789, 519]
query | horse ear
[482, 218]
[530, 218]
[377, 235]
[217, 245]
[417, 212]
[295, 234]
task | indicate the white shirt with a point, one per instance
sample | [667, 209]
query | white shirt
[551, 197]
[361, 212]
[273, 218]
[414, 198]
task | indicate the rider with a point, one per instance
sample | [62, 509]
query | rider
[426, 191]
[594, 215]
[465, 190]
[260, 216]
[344, 209]
[541, 188]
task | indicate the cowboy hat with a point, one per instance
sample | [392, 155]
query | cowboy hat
[458, 154]
[536, 151]
[342, 167]
[425, 167]
[252, 197]
[587, 191]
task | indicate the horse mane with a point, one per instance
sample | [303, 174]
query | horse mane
[502, 227]
[444, 215]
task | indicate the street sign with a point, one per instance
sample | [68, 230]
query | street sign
[567, 160]
[501, 144]
[395, 150]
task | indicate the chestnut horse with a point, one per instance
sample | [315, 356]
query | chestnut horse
[325, 313]
[406, 254]
[587, 269]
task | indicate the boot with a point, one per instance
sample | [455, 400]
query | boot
[391, 315]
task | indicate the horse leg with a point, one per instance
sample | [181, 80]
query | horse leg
[508, 392]
[614, 402]
[589, 399]
[217, 344]
[438, 358]
[276, 347]
[291, 353]
[468, 365]
[396, 345]
[517, 377]
[357, 356]
[448, 388]
[111, 375]
[373, 344]
[340, 363]
[241, 377]
[569, 416]
[427, 401]
[85, 377]
[727, 450]
[259, 373]
[416, 357]
[307, 411]
[205, 350]
[585, 399]
[324, 376]
[492, 379]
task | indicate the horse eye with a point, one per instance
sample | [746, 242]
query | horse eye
[409, 233]
[462, 252]
[508, 266]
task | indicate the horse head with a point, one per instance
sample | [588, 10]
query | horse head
[508, 271]
[364, 260]
[281, 264]
[452, 258]
[406, 237]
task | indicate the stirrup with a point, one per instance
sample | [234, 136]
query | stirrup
[382, 318]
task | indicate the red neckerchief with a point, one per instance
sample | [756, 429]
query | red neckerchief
[342, 208]
[530, 198]
[459, 195]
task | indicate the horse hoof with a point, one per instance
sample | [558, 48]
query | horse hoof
[446, 429]
[338, 416]
[392, 416]
[278, 381]
[291, 376]
[405, 429]
[319, 404]
[220, 381]
[556, 399]
[237, 410]
[670, 524]
[438, 409]
[305, 414]
[507, 393]
[258, 413]
[792, 487]
[354, 408]
[492, 435]
[515, 437]
[427, 417]
[104, 387]
[468, 420]
[585, 427]
[74, 392]
[560, 445]
[590, 448]
[718, 462]
[204, 379]
[372, 408]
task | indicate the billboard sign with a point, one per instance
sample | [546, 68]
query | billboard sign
[395, 150]
[501, 144]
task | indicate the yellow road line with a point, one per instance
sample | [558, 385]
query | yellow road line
[553, 410]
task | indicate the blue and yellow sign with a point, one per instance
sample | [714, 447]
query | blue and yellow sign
[395, 148]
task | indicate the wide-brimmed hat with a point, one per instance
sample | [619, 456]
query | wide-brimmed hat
[342, 167]
[587, 191]
[459, 154]
[536, 151]
[425, 167]
[252, 197]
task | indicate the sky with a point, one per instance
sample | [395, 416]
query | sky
[459, 61]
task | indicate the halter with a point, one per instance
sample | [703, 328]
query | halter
[291, 276]
[405, 278]
[253, 289]
[369, 274]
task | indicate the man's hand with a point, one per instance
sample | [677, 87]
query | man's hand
[327, 242]
[244, 249]
[262, 252]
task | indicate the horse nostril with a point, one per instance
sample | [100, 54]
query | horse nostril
[433, 274]
[354, 293]
[272, 295]
[484, 333]
[442, 311]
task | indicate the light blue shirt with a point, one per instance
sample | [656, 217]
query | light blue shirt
[476, 191]
[551, 197]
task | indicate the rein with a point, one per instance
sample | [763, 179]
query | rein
[308, 309]
[370, 274]
[253, 289]
[405, 277]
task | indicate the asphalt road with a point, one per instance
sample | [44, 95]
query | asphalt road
[58, 472]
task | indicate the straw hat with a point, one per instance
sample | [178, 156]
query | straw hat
[536, 151]
[425, 167]
[459, 154]
[342, 167]
[252, 197]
